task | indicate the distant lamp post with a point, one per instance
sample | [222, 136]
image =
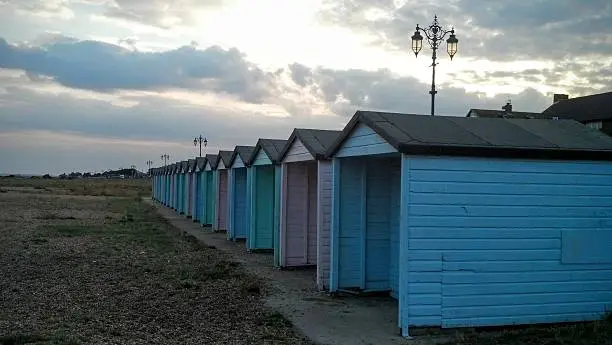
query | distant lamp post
[200, 140]
[165, 158]
[434, 34]
[149, 163]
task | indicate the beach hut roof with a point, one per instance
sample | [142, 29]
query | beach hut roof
[450, 135]
[213, 160]
[316, 141]
[183, 166]
[191, 165]
[272, 147]
[200, 163]
[225, 157]
[244, 152]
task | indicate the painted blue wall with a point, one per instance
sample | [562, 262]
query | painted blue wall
[198, 196]
[249, 197]
[230, 203]
[496, 242]
[262, 208]
[363, 141]
[239, 206]
[204, 193]
[368, 224]
[175, 192]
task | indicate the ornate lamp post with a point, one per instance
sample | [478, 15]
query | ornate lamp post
[200, 140]
[165, 158]
[434, 34]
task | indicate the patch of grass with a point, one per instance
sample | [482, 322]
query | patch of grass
[54, 216]
[220, 270]
[251, 286]
[188, 284]
[33, 339]
[72, 230]
[39, 240]
[91, 187]
[18, 339]
[275, 320]
[584, 333]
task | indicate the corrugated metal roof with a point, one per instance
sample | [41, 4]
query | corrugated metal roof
[583, 109]
[316, 141]
[448, 135]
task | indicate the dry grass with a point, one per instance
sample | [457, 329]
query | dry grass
[585, 333]
[109, 270]
[91, 187]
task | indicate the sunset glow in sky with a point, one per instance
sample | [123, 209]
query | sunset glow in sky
[88, 85]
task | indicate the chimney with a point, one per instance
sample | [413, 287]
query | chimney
[559, 97]
[507, 108]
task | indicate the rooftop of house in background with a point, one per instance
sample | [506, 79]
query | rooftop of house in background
[584, 109]
[505, 112]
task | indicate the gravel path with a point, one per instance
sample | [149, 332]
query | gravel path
[322, 318]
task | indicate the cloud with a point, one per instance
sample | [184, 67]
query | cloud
[501, 30]
[348, 90]
[42, 8]
[102, 130]
[107, 67]
[164, 14]
[58, 132]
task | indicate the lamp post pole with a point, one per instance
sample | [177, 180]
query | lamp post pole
[200, 140]
[149, 163]
[434, 34]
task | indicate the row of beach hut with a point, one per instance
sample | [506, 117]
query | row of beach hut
[465, 221]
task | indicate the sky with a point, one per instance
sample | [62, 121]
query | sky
[91, 85]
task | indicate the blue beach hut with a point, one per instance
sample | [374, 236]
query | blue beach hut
[237, 193]
[175, 184]
[198, 189]
[189, 184]
[264, 187]
[208, 177]
[167, 186]
[182, 189]
[473, 221]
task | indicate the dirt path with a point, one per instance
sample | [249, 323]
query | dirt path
[325, 320]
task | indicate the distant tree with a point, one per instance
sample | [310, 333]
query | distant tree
[46, 176]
